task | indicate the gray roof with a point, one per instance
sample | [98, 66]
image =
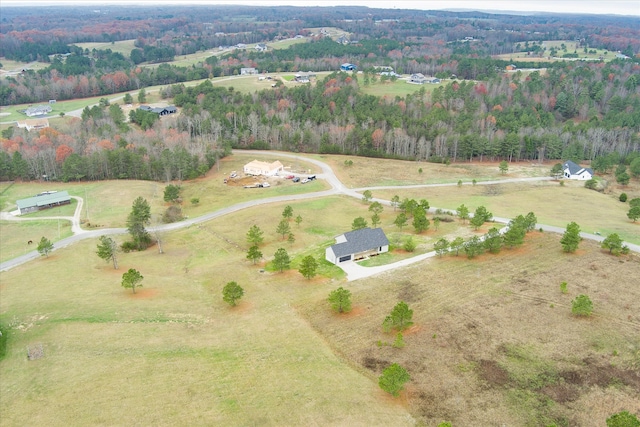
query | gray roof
[43, 199]
[360, 240]
[575, 169]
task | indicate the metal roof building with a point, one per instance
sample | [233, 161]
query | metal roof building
[43, 201]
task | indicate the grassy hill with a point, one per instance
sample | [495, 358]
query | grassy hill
[493, 340]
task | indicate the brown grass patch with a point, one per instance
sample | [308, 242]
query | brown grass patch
[355, 312]
[487, 327]
[143, 293]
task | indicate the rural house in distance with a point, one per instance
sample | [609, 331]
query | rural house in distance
[256, 167]
[574, 171]
[33, 124]
[357, 244]
[161, 111]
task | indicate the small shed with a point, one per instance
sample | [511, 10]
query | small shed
[46, 200]
[357, 244]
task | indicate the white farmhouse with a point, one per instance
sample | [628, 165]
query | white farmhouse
[256, 167]
[574, 171]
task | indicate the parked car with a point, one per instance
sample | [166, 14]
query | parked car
[290, 177]
[304, 181]
[233, 174]
[265, 185]
[296, 179]
[311, 178]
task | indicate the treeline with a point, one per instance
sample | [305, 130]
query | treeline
[32, 87]
[100, 147]
[580, 111]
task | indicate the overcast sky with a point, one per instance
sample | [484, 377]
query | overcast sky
[618, 7]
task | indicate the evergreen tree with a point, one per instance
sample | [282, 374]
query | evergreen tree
[401, 220]
[613, 242]
[359, 223]
[393, 379]
[340, 300]
[283, 228]
[254, 254]
[287, 213]
[571, 238]
[441, 246]
[131, 279]
[254, 235]
[420, 221]
[457, 244]
[281, 260]
[45, 246]
[463, 213]
[107, 250]
[308, 267]
[136, 222]
[231, 293]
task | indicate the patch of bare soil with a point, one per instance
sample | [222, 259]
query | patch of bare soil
[243, 306]
[492, 373]
[143, 293]
[355, 312]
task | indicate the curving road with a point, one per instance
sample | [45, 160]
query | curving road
[353, 270]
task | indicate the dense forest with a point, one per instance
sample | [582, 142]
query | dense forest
[581, 110]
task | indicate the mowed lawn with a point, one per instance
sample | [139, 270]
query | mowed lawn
[370, 172]
[175, 353]
[553, 204]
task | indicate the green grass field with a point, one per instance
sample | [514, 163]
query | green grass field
[552, 204]
[174, 353]
[570, 48]
[398, 88]
[123, 46]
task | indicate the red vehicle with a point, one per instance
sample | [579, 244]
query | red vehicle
[289, 177]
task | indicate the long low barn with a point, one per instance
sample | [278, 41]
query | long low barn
[43, 201]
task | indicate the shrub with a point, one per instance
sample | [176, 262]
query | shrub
[393, 378]
[409, 245]
[623, 197]
[591, 184]
[563, 287]
[172, 214]
[129, 246]
[582, 306]
[623, 419]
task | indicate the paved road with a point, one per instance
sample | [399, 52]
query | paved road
[353, 270]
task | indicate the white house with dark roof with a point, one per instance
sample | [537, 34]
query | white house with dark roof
[574, 171]
[417, 78]
[38, 110]
[357, 244]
